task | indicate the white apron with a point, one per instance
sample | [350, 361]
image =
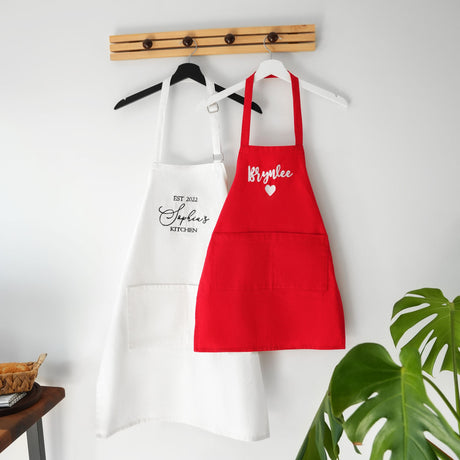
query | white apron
[149, 370]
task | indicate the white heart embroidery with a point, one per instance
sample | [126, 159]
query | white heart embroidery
[270, 189]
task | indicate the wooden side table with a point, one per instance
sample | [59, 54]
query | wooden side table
[30, 420]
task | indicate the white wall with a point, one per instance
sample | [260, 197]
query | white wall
[72, 174]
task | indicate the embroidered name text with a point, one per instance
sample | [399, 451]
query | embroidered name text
[254, 174]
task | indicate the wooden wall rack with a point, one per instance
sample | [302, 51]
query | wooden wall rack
[213, 41]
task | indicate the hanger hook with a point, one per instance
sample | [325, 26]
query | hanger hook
[188, 41]
[265, 46]
[194, 51]
[273, 37]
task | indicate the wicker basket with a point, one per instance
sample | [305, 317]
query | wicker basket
[17, 382]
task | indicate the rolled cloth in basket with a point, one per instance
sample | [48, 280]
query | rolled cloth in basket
[19, 377]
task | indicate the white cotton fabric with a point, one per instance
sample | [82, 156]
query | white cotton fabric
[149, 370]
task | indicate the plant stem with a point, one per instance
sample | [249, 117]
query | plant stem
[443, 397]
[454, 352]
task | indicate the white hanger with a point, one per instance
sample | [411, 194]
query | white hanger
[277, 69]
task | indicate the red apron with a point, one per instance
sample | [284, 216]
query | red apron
[268, 280]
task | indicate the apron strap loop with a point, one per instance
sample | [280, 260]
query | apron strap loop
[160, 128]
[246, 125]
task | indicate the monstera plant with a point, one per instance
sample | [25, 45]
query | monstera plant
[368, 386]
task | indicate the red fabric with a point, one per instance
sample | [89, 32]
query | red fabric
[268, 281]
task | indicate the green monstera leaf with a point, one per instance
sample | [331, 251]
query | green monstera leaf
[322, 436]
[440, 327]
[368, 376]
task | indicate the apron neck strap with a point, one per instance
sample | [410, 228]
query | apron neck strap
[298, 126]
[160, 128]
[215, 128]
[246, 128]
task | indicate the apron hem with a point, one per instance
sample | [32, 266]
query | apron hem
[255, 348]
[106, 434]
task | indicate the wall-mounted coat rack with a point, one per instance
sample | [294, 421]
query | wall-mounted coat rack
[213, 41]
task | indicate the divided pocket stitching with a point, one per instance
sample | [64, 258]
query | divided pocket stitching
[270, 260]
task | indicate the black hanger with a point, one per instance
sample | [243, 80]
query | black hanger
[186, 70]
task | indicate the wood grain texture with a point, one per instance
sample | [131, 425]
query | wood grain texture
[14, 425]
[212, 42]
[246, 49]
[257, 39]
[213, 32]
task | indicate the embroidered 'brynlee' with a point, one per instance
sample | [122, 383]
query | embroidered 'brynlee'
[254, 174]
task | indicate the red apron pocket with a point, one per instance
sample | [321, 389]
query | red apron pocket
[299, 261]
[241, 260]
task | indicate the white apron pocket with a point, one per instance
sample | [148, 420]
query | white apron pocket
[161, 315]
